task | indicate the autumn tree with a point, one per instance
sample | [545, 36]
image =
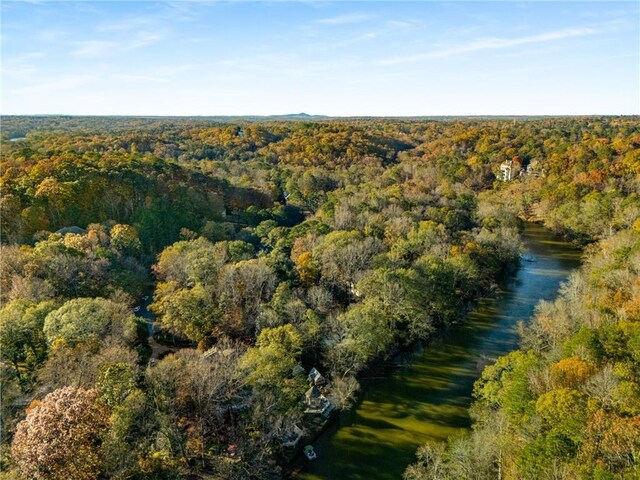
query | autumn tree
[124, 238]
[60, 438]
[192, 394]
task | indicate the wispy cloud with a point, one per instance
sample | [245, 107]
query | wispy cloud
[124, 24]
[142, 39]
[22, 66]
[389, 27]
[50, 36]
[186, 10]
[99, 48]
[375, 30]
[481, 44]
[94, 48]
[19, 71]
[169, 70]
[346, 19]
[61, 83]
[141, 78]
[26, 56]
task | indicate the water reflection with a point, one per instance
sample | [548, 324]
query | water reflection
[429, 398]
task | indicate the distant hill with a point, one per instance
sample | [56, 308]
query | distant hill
[299, 116]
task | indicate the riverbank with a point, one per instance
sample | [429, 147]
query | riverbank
[429, 398]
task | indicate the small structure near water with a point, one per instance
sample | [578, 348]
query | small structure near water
[310, 453]
[316, 378]
[292, 437]
[314, 397]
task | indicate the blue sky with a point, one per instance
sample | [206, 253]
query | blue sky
[347, 58]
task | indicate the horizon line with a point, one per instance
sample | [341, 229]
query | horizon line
[314, 115]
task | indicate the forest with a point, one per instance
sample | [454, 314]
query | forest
[167, 285]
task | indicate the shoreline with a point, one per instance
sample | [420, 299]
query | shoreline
[473, 365]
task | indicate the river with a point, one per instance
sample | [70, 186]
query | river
[428, 399]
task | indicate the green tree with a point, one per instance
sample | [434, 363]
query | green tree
[190, 312]
[565, 410]
[22, 343]
[115, 382]
[84, 319]
[269, 365]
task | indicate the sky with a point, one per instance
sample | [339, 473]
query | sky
[419, 58]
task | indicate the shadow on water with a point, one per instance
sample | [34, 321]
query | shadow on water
[429, 398]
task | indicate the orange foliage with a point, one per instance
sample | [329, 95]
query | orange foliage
[571, 371]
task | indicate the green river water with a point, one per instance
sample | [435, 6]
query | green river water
[428, 399]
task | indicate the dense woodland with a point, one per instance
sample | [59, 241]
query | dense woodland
[267, 248]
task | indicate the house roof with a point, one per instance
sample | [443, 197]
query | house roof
[315, 376]
[313, 392]
[72, 229]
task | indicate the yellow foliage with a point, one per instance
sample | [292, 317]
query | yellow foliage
[563, 405]
[472, 247]
[58, 343]
[307, 268]
[570, 372]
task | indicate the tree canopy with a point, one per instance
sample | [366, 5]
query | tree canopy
[261, 249]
